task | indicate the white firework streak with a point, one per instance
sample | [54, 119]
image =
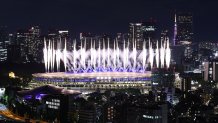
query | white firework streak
[157, 55]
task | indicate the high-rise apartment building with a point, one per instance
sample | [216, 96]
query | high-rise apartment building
[184, 28]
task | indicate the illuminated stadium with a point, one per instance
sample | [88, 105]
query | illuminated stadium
[100, 66]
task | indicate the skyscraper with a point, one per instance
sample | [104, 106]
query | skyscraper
[145, 31]
[4, 41]
[11, 39]
[64, 35]
[88, 38]
[34, 43]
[136, 35]
[149, 29]
[164, 35]
[184, 28]
[22, 41]
[29, 41]
[211, 71]
[13, 53]
[3, 53]
[174, 31]
[59, 37]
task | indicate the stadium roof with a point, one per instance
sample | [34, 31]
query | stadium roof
[48, 89]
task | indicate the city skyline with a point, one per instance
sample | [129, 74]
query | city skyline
[101, 61]
[107, 16]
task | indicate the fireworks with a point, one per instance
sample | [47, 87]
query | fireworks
[105, 59]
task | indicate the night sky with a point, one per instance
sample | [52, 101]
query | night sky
[107, 16]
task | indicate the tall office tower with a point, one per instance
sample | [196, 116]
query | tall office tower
[94, 40]
[174, 31]
[149, 29]
[58, 38]
[136, 35]
[22, 41]
[120, 40]
[13, 53]
[184, 28]
[34, 44]
[13, 50]
[164, 35]
[103, 38]
[4, 42]
[211, 71]
[52, 34]
[11, 39]
[30, 44]
[3, 54]
[88, 39]
[64, 35]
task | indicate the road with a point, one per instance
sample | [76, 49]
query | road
[7, 116]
